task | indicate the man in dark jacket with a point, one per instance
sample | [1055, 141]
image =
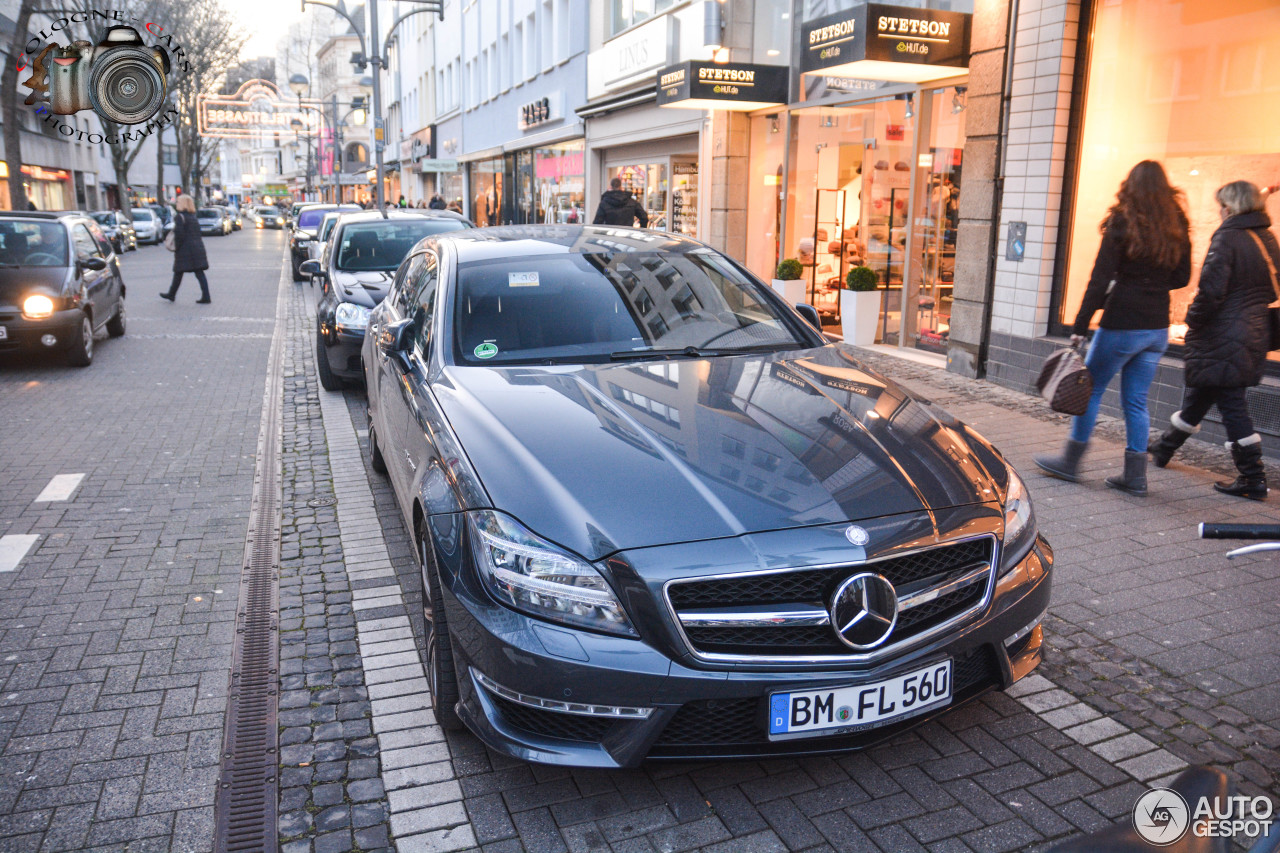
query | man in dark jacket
[437, 203]
[618, 207]
[1228, 336]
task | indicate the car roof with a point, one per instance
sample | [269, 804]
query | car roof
[513, 241]
[400, 213]
[47, 215]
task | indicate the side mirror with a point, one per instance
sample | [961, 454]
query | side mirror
[95, 264]
[811, 314]
[394, 338]
[310, 267]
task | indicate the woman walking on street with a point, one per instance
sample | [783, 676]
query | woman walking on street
[1228, 336]
[1145, 253]
[188, 250]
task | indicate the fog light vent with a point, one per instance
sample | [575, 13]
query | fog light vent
[1012, 639]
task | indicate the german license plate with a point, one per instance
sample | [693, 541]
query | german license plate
[4, 333]
[846, 710]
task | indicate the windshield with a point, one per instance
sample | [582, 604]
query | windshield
[576, 308]
[267, 211]
[383, 244]
[326, 227]
[207, 213]
[142, 216]
[105, 219]
[311, 217]
[33, 244]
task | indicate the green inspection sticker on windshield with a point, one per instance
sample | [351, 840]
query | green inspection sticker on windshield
[488, 349]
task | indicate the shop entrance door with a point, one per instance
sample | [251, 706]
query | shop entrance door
[667, 187]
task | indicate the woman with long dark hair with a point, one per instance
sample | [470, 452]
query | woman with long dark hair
[188, 251]
[1145, 253]
[1228, 336]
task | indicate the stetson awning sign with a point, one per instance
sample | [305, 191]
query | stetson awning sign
[722, 86]
[879, 42]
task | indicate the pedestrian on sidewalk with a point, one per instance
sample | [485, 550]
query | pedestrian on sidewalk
[188, 251]
[1145, 253]
[437, 203]
[1228, 336]
[619, 207]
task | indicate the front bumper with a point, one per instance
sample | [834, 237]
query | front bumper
[342, 345]
[25, 334]
[699, 711]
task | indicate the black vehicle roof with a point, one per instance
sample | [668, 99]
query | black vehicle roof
[400, 213]
[512, 241]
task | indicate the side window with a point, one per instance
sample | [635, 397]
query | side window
[424, 303]
[104, 245]
[86, 246]
[401, 295]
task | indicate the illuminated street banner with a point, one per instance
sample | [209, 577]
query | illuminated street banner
[257, 107]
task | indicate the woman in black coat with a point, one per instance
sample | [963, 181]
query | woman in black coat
[188, 251]
[1228, 336]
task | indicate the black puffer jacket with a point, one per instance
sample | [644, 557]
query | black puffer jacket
[1140, 297]
[1227, 331]
[619, 207]
[188, 252]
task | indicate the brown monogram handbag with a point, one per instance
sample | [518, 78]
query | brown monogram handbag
[1065, 382]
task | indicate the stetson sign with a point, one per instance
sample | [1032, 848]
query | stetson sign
[879, 42]
[722, 86]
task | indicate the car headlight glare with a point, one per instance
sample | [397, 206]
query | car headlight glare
[534, 576]
[37, 307]
[351, 316]
[1019, 522]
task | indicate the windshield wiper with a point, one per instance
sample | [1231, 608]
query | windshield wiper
[697, 352]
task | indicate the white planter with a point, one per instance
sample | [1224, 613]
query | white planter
[860, 316]
[793, 290]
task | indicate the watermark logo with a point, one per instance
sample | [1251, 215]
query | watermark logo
[1162, 817]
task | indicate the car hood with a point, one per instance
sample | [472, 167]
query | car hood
[17, 284]
[362, 288]
[606, 457]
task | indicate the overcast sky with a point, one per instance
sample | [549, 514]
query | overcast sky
[266, 21]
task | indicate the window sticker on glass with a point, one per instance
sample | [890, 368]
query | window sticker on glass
[522, 279]
[488, 349]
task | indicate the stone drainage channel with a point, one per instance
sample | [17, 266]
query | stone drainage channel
[362, 764]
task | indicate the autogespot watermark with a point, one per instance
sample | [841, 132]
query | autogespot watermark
[1162, 817]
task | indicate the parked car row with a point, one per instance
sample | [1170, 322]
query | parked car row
[657, 514]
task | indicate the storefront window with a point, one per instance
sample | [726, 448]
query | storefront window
[486, 192]
[772, 31]
[648, 183]
[764, 195]
[557, 185]
[1192, 84]
[450, 187]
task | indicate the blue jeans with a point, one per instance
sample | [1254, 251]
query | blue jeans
[1134, 354]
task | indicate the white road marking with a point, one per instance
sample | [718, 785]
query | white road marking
[60, 488]
[13, 548]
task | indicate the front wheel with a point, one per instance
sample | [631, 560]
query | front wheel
[328, 381]
[442, 674]
[80, 353]
[297, 273]
[376, 460]
[115, 326]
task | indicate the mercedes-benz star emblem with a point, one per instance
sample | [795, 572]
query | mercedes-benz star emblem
[864, 610]
[856, 535]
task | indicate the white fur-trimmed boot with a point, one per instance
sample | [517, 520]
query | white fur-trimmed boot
[1174, 437]
[1252, 482]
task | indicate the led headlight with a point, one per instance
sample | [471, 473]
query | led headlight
[532, 575]
[37, 307]
[351, 316]
[1019, 522]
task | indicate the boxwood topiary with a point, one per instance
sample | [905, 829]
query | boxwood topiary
[861, 278]
[789, 270]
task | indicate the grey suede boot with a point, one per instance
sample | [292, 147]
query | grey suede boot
[1252, 482]
[1064, 465]
[1173, 438]
[1134, 479]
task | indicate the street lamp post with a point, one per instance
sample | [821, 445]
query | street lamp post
[300, 86]
[379, 124]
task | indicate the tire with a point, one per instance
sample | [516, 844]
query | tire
[376, 461]
[294, 263]
[80, 353]
[328, 381]
[115, 326]
[442, 675]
